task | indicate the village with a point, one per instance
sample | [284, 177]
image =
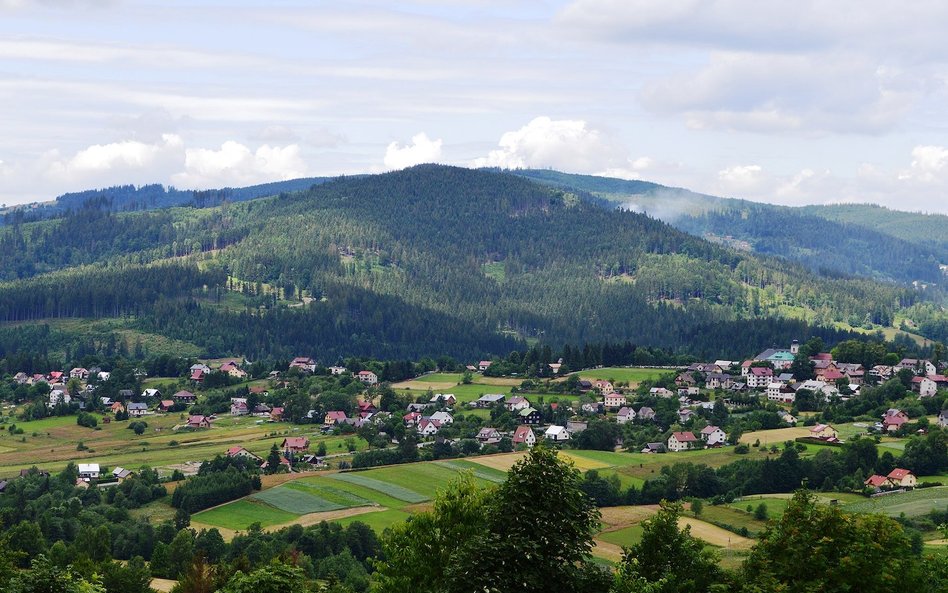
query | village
[685, 411]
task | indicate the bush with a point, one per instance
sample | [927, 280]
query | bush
[742, 449]
[87, 420]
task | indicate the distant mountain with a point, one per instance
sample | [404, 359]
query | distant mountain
[925, 230]
[864, 241]
[129, 198]
[431, 260]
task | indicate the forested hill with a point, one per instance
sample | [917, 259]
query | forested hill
[431, 260]
[129, 198]
[861, 240]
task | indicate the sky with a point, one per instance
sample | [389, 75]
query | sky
[790, 102]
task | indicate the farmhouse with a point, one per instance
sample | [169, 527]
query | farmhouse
[411, 418]
[184, 397]
[614, 400]
[488, 436]
[646, 413]
[79, 373]
[428, 427]
[718, 380]
[603, 386]
[241, 452]
[943, 419]
[303, 363]
[681, 441]
[294, 444]
[446, 399]
[121, 474]
[529, 416]
[367, 377]
[893, 420]
[824, 432]
[876, 482]
[117, 407]
[653, 448]
[660, 392]
[197, 376]
[238, 406]
[199, 421]
[442, 418]
[334, 417]
[924, 386]
[902, 478]
[483, 365]
[489, 400]
[524, 436]
[556, 433]
[920, 367]
[713, 436]
[165, 405]
[626, 414]
[516, 403]
[88, 471]
[137, 409]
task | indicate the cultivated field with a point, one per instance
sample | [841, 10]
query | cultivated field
[912, 504]
[51, 443]
[631, 375]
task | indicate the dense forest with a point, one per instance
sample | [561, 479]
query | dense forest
[860, 240]
[427, 261]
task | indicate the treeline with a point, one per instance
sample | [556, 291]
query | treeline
[213, 488]
[110, 292]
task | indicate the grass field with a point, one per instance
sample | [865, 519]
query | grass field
[296, 501]
[775, 506]
[51, 443]
[241, 514]
[631, 375]
[397, 492]
[913, 503]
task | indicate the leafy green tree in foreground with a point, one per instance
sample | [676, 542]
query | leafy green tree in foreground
[531, 534]
[668, 559]
[814, 547]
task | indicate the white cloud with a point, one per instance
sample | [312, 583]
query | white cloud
[234, 164]
[569, 145]
[929, 164]
[421, 150]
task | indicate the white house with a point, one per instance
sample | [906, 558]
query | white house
[681, 441]
[516, 403]
[89, 471]
[556, 433]
[428, 427]
[442, 418]
[779, 392]
[759, 377]
[367, 377]
[943, 419]
[626, 414]
[925, 386]
[712, 435]
[337, 370]
[524, 435]
[488, 436]
[614, 400]
[136, 409]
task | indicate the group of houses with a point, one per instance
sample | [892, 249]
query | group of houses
[308, 365]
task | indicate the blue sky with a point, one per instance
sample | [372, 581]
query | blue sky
[786, 102]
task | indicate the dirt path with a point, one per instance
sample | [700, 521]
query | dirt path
[606, 550]
[163, 585]
[715, 535]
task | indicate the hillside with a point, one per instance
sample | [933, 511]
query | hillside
[926, 230]
[859, 240]
[431, 260]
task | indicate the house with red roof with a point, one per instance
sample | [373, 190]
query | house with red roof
[411, 418]
[682, 441]
[367, 377]
[294, 444]
[902, 478]
[334, 417]
[483, 365]
[241, 452]
[524, 435]
[759, 377]
[877, 482]
[199, 421]
[165, 405]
